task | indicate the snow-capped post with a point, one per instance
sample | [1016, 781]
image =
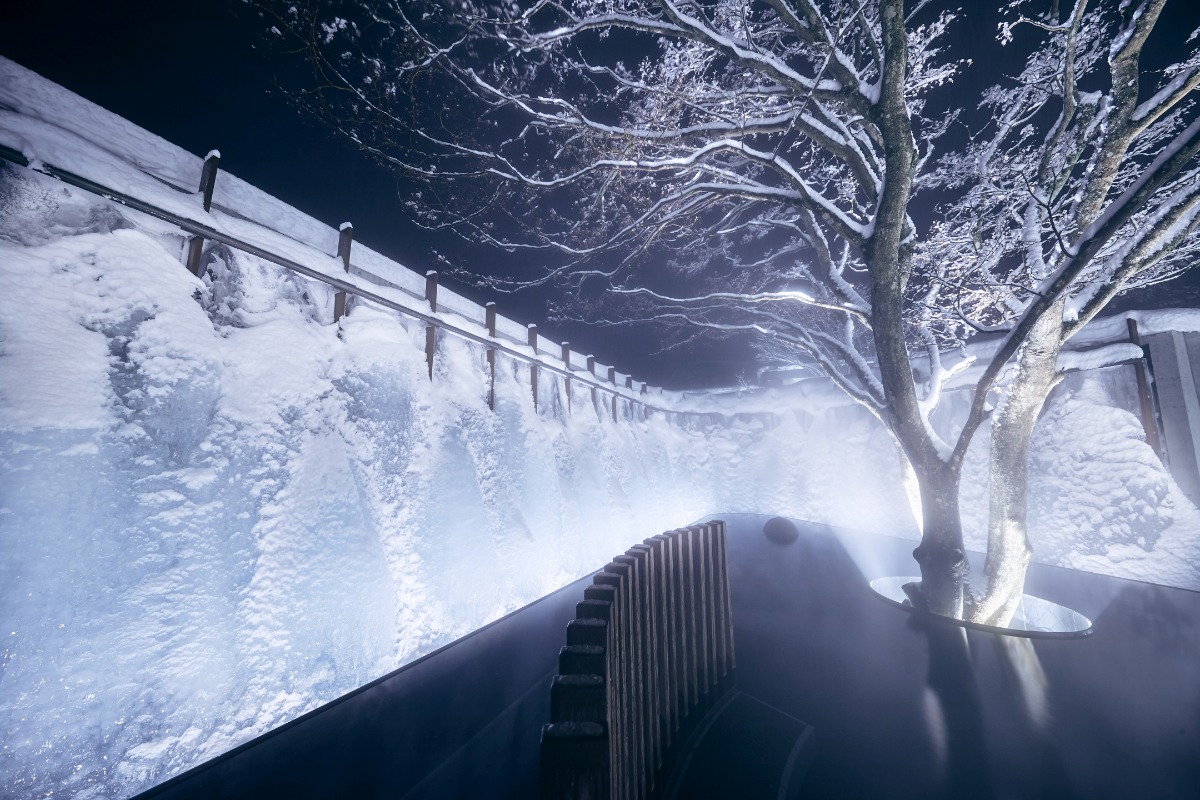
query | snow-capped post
[612, 378]
[489, 316]
[431, 286]
[208, 180]
[566, 357]
[195, 249]
[533, 370]
[208, 176]
[345, 239]
[1145, 398]
[629, 386]
[591, 367]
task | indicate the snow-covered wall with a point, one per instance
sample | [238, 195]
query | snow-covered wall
[54, 130]
[1100, 500]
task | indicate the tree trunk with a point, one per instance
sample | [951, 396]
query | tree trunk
[940, 555]
[1009, 551]
[889, 259]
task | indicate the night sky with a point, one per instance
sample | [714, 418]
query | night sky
[196, 73]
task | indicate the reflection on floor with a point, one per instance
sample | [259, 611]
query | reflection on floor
[745, 749]
[1033, 617]
[905, 708]
[898, 707]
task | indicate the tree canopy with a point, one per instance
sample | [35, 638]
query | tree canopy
[801, 170]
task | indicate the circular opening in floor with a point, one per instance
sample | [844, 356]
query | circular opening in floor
[1034, 616]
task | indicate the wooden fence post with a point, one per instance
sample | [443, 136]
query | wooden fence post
[729, 662]
[707, 604]
[195, 250]
[533, 370]
[612, 378]
[650, 676]
[566, 357]
[490, 322]
[591, 367]
[208, 177]
[577, 698]
[1145, 398]
[431, 286]
[575, 761]
[622, 645]
[660, 714]
[345, 240]
[208, 181]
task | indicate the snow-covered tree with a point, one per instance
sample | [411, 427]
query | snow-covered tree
[1084, 183]
[752, 165]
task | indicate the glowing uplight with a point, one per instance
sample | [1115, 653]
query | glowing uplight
[1034, 616]
[875, 557]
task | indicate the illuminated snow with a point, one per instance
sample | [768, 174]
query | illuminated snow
[218, 514]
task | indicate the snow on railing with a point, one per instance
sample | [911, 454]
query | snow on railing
[360, 277]
[439, 317]
[53, 131]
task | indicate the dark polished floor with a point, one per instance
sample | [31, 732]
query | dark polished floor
[907, 709]
[900, 708]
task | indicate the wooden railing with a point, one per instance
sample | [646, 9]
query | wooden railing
[649, 653]
[608, 387]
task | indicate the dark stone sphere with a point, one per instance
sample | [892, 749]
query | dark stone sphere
[781, 531]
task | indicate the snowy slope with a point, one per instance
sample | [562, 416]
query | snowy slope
[54, 129]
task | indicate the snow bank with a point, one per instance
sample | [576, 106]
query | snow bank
[51, 126]
[1099, 498]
